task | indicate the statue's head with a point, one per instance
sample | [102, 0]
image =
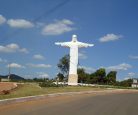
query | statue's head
[74, 38]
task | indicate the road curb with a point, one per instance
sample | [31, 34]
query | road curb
[37, 97]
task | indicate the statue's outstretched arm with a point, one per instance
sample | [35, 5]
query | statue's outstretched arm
[65, 44]
[80, 45]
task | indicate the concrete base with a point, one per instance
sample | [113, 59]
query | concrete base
[73, 79]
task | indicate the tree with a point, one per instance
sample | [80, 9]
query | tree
[63, 65]
[40, 79]
[60, 76]
[88, 78]
[111, 77]
[81, 75]
[100, 73]
[94, 78]
[125, 83]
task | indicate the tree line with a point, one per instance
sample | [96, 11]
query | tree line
[98, 77]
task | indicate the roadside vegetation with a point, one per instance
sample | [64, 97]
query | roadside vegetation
[31, 89]
[100, 76]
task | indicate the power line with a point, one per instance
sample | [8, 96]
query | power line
[45, 14]
[51, 10]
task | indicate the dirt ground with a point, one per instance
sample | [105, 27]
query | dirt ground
[7, 86]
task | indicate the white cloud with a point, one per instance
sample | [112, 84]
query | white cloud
[110, 37]
[3, 60]
[133, 57]
[123, 66]
[20, 23]
[27, 76]
[36, 75]
[24, 50]
[88, 69]
[82, 55]
[39, 57]
[119, 67]
[39, 65]
[58, 27]
[2, 19]
[15, 65]
[126, 78]
[12, 48]
[131, 74]
[42, 75]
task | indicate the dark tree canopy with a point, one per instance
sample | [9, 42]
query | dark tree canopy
[81, 75]
[94, 78]
[111, 77]
[63, 65]
[125, 83]
[101, 73]
[60, 76]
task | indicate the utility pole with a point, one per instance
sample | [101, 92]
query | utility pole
[9, 72]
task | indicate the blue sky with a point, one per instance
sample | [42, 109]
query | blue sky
[29, 29]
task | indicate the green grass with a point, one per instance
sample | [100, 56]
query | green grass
[33, 89]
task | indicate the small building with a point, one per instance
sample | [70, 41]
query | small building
[4, 79]
[135, 83]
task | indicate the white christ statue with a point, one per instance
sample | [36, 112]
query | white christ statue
[74, 45]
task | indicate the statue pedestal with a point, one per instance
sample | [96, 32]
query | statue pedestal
[73, 79]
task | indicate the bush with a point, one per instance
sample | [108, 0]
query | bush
[47, 84]
[125, 83]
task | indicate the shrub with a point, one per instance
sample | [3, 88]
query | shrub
[47, 84]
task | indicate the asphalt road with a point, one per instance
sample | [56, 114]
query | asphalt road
[86, 104]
